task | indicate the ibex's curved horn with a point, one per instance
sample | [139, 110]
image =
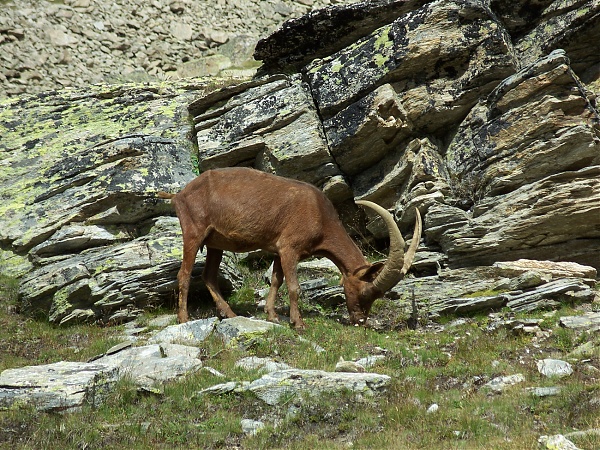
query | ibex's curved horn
[398, 262]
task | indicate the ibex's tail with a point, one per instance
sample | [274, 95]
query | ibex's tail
[166, 195]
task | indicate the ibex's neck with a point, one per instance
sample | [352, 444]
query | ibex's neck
[344, 253]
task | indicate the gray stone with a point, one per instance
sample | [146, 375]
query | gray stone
[407, 51]
[468, 290]
[322, 32]
[251, 427]
[189, 333]
[370, 361]
[108, 279]
[465, 305]
[357, 143]
[152, 365]
[551, 295]
[119, 347]
[84, 208]
[504, 165]
[499, 384]
[219, 389]
[526, 187]
[243, 331]
[586, 350]
[554, 368]
[349, 366]
[433, 408]
[583, 433]
[557, 269]
[76, 238]
[557, 442]
[587, 321]
[163, 321]
[544, 391]
[272, 126]
[60, 386]
[261, 364]
[277, 387]
[577, 38]
[213, 372]
[318, 265]
[320, 291]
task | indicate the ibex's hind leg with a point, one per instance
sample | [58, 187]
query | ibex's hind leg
[210, 277]
[276, 281]
[190, 250]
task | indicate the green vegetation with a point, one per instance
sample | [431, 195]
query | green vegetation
[429, 365]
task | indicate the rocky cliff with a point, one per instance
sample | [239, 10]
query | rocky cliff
[484, 117]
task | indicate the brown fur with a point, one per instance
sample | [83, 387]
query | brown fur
[241, 209]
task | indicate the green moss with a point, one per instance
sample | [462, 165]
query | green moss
[104, 267]
[383, 40]
[483, 293]
[58, 133]
[380, 60]
[60, 305]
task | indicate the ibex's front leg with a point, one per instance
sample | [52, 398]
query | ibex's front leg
[276, 281]
[288, 265]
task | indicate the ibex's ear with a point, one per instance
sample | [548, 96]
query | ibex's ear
[369, 273]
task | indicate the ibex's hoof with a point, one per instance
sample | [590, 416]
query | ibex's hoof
[183, 319]
[299, 326]
[273, 318]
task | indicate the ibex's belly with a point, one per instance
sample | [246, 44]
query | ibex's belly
[238, 241]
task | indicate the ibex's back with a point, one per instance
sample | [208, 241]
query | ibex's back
[241, 209]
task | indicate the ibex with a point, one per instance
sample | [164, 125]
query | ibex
[242, 209]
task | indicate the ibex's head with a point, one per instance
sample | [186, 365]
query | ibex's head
[371, 282]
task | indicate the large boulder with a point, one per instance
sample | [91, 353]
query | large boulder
[536, 123]
[324, 31]
[80, 221]
[272, 125]
[437, 79]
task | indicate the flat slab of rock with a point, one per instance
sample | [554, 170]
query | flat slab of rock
[521, 289]
[279, 386]
[59, 386]
[544, 391]
[190, 333]
[558, 269]
[498, 384]
[557, 442]
[242, 330]
[151, 365]
[551, 294]
[264, 364]
[589, 321]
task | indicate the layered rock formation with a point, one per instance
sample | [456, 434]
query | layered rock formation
[81, 224]
[483, 117]
[453, 107]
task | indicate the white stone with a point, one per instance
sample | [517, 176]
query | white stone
[554, 368]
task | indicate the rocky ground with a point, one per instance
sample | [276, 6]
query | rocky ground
[48, 45]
